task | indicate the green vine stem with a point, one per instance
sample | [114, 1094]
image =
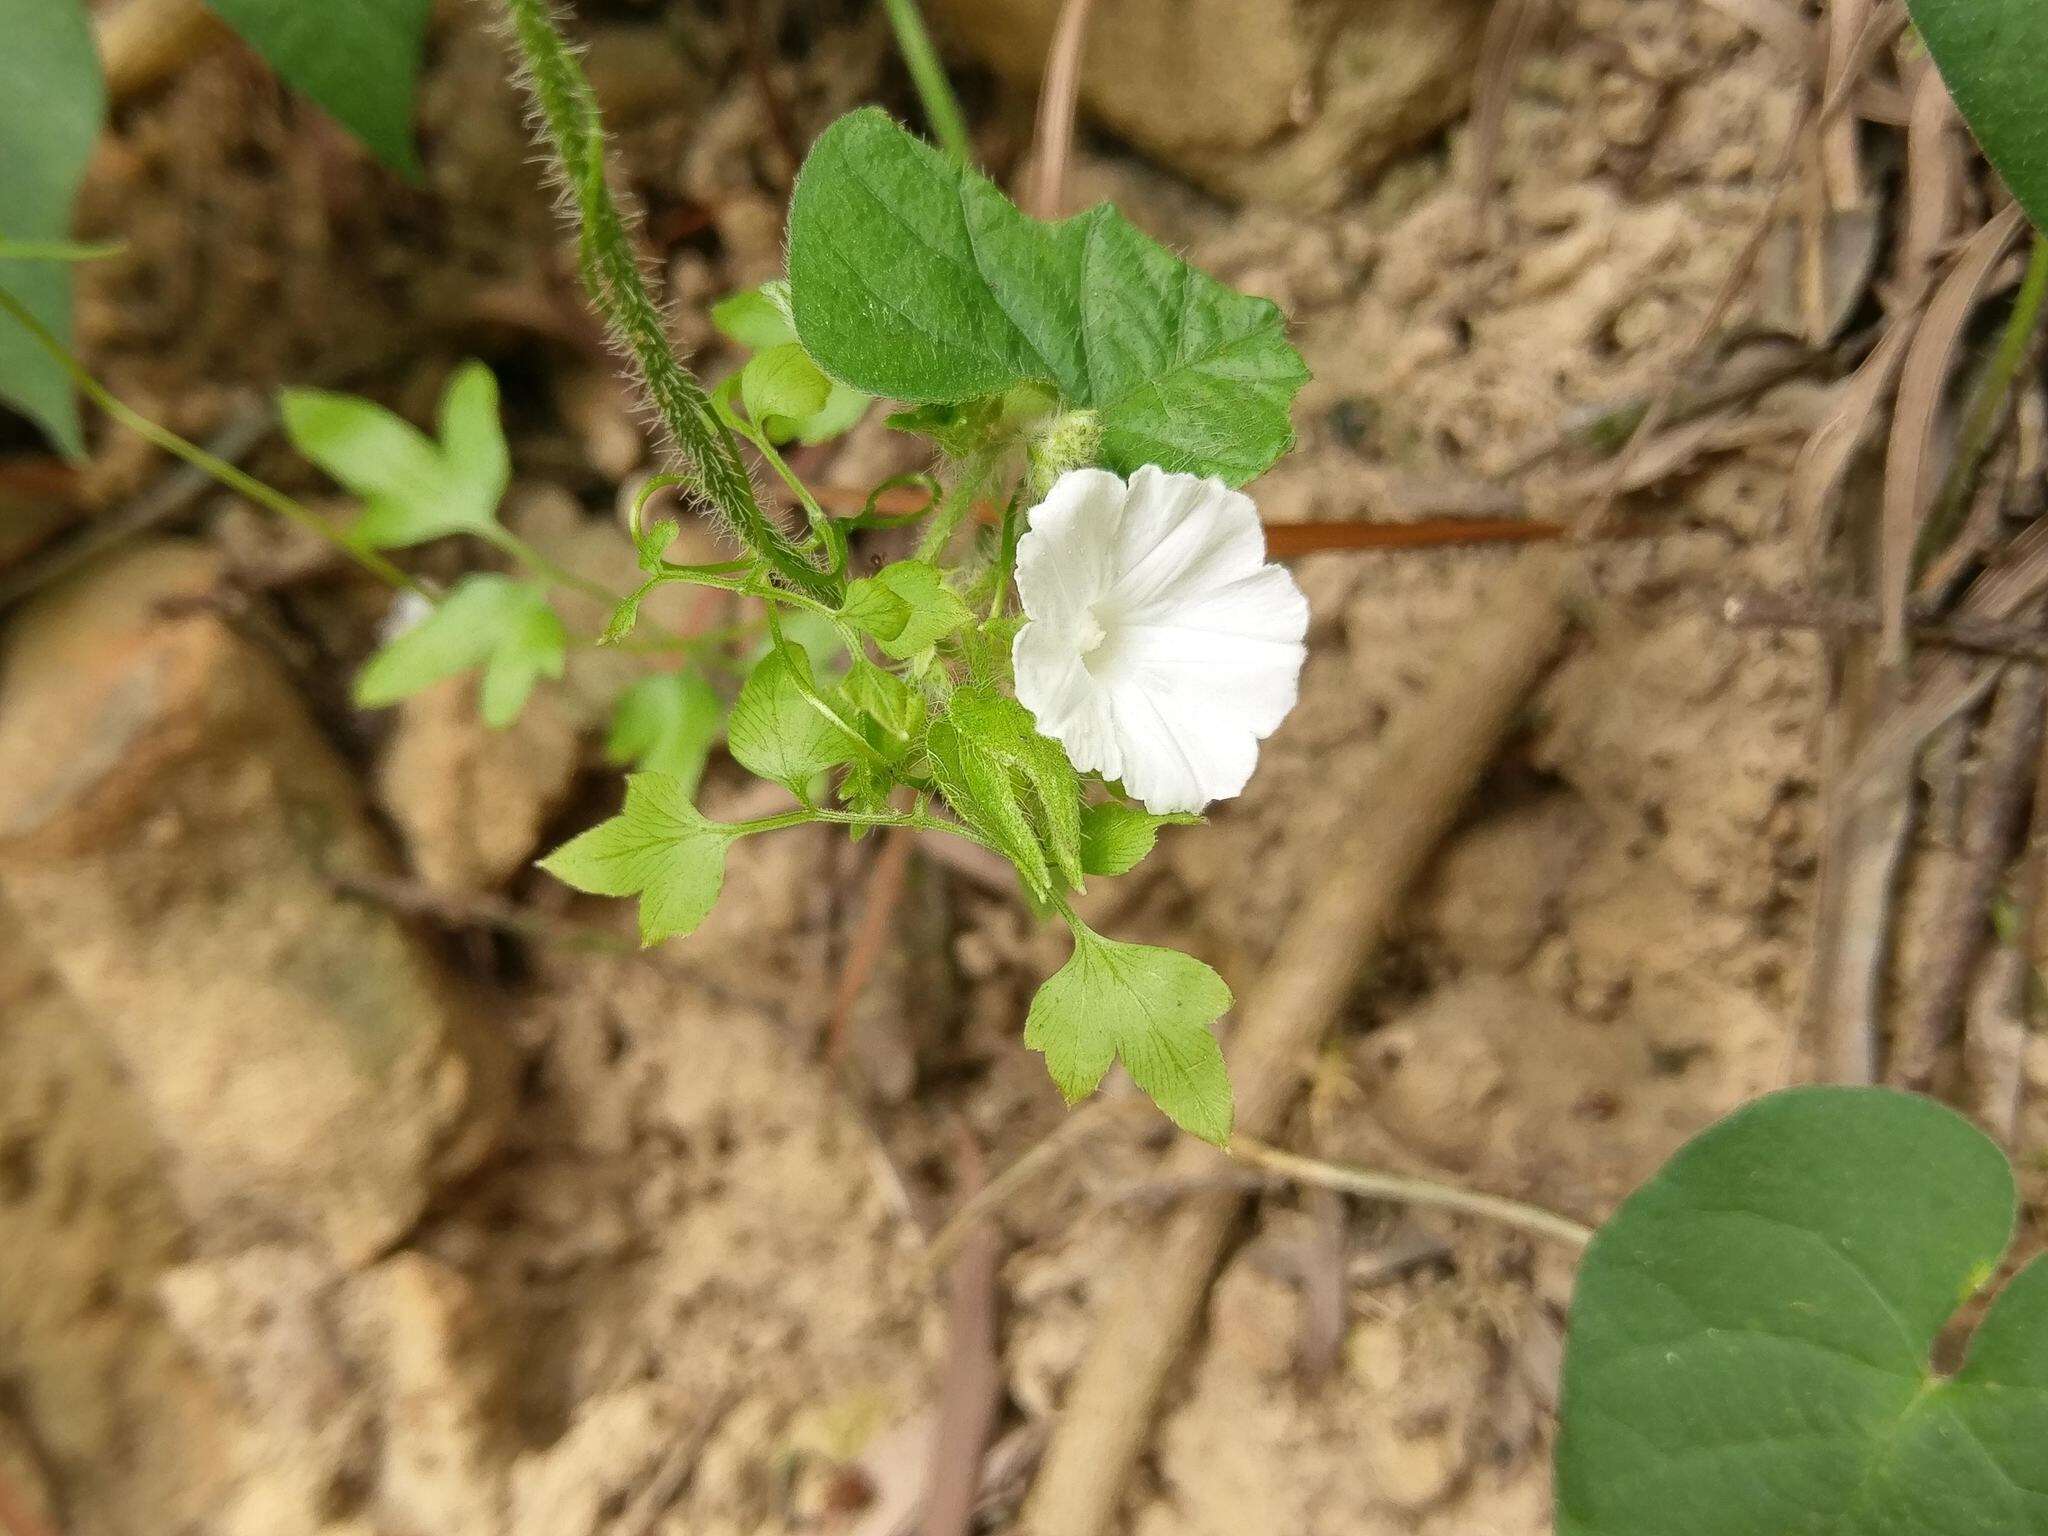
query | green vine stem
[928, 75]
[567, 110]
[211, 465]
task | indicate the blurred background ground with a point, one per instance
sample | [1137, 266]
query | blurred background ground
[510, 1229]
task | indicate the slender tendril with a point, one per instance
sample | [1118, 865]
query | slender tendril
[211, 465]
[568, 113]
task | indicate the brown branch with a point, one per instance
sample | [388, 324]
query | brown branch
[973, 1387]
[1433, 758]
[1763, 610]
[887, 879]
[1053, 139]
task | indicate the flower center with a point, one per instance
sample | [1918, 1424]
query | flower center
[1091, 634]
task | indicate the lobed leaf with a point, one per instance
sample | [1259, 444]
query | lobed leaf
[907, 608]
[1115, 838]
[504, 626]
[658, 848]
[913, 277]
[413, 489]
[666, 724]
[1152, 1008]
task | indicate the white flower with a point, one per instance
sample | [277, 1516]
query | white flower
[1161, 647]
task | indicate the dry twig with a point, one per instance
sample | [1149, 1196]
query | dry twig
[973, 1386]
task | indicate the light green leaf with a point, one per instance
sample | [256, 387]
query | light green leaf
[913, 277]
[51, 109]
[490, 621]
[666, 724]
[907, 607]
[1011, 784]
[657, 848]
[781, 727]
[896, 708]
[413, 489]
[757, 318]
[842, 410]
[782, 388]
[1115, 838]
[360, 59]
[1151, 1007]
[1990, 53]
[1751, 1336]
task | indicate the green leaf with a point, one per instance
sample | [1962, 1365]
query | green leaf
[1115, 838]
[360, 59]
[1151, 1007]
[413, 489]
[666, 724]
[896, 707]
[1751, 1336]
[907, 607]
[51, 110]
[782, 388]
[914, 277]
[757, 318]
[1010, 784]
[490, 621]
[781, 727]
[1990, 52]
[657, 848]
[843, 408]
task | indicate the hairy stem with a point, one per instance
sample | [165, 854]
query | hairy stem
[611, 272]
[928, 75]
[211, 465]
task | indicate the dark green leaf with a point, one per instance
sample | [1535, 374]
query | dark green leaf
[915, 278]
[1151, 1007]
[1991, 53]
[1011, 784]
[1752, 1334]
[51, 107]
[657, 848]
[360, 59]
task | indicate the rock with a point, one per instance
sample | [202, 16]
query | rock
[1297, 99]
[169, 816]
[472, 802]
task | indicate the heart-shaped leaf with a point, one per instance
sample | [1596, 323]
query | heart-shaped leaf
[1752, 1334]
[1991, 54]
[915, 278]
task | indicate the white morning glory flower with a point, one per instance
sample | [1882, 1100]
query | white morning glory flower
[1161, 648]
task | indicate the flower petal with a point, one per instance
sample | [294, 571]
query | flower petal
[1181, 535]
[1179, 751]
[1065, 699]
[1064, 560]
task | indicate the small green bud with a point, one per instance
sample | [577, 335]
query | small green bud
[1068, 441]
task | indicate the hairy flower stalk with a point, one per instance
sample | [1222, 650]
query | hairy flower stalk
[568, 114]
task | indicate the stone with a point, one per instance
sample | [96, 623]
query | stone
[170, 818]
[1293, 101]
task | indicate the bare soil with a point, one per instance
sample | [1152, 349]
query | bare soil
[687, 1293]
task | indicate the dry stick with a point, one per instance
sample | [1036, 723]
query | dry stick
[887, 879]
[1408, 1191]
[1057, 99]
[1510, 30]
[1961, 918]
[1433, 758]
[1909, 479]
[1764, 610]
[973, 1386]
